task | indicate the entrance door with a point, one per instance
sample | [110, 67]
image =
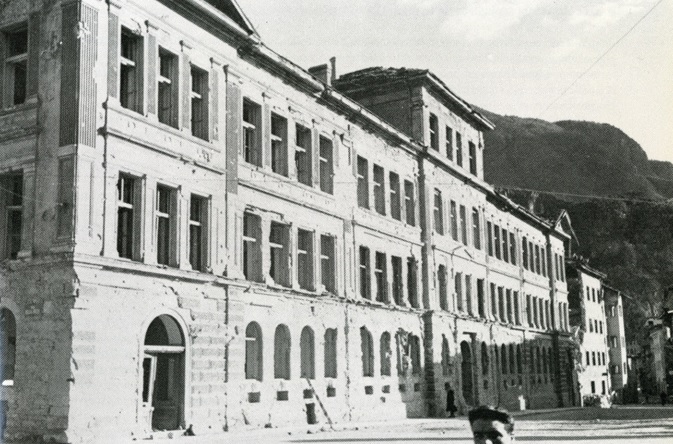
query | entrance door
[466, 372]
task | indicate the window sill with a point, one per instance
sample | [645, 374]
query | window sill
[8, 383]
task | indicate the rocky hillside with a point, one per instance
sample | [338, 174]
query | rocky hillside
[625, 229]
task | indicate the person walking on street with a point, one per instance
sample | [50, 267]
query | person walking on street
[451, 402]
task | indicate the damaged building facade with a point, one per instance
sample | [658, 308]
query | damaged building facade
[198, 231]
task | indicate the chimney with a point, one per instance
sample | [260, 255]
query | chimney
[324, 72]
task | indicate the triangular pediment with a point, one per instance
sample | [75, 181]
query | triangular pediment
[231, 9]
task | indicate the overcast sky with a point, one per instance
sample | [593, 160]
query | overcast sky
[513, 57]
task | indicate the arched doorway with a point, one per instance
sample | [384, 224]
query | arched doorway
[164, 374]
[466, 372]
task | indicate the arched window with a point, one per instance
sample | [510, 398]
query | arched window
[519, 362]
[512, 368]
[484, 359]
[503, 356]
[367, 346]
[331, 353]
[385, 354]
[415, 352]
[281, 352]
[7, 344]
[253, 351]
[307, 353]
[446, 356]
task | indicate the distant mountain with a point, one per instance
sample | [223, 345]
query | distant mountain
[625, 228]
[572, 157]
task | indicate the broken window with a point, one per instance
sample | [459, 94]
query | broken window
[64, 215]
[365, 282]
[381, 276]
[128, 216]
[254, 351]
[16, 66]
[398, 285]
[459, 149]
[449, 142]
[458, 284]
[252, 132]
[305, 259]
[252, 247]
[434, 132]
[131, 71]
[328, 263]
[386, 352]
[331, 353]
[326, 165]
[415, 354]
[167, 88]
[165, 216]
[476, 229]
[454, 221]
[443, 290]
[279, 145]
[307, 353]
[303, 155]
[412, 282]
[281, 353]
[7, 345]
[279, 247]
[409, 202]
[439, 212]
[395, 198]
[198, 239]
[379, 190]
[367, 348]
[446, 357]
[472, 153]
[363, 183]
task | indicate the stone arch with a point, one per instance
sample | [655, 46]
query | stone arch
[254, 352]
[282, 346]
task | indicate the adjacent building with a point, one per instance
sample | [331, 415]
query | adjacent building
[198, 231]
[616, 335]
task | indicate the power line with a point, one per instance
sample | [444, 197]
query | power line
[587, 196]
[586, 71]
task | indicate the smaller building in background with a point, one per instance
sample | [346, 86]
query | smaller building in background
[616, 335]
[656, 358]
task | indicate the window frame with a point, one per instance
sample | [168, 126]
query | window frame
[168, 88]
[131, 70]
[203, 212]
[15, 67]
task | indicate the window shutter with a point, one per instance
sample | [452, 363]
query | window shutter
[233, 135]
[152, 55]
[186, 91]
[69, 76]
[214, 100]
[266, 134]
[113, 56]
[33, 53]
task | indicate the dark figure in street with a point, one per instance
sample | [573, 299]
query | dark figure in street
[491, 425]
[451, 402]
[663, 397]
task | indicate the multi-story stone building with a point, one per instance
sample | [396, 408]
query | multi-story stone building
[198, 231]
[587, 313]
[616, 333]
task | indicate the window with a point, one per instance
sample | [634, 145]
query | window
[538, 267]
[593, 358]
[303, 156]
[131, 71]
[279, 247]
[593, 386]
[614, 341]
[381, 277]
[603, 387]
[395, 198]
[305, 259]
[476, 229]
[459, 149]
[512, 248]
[519, 360]
[7, 345]
[484, 359]
[167, 96]
[524, 252]
[363, 183]
[446, 357]
[449, 142]
[326, 165]
[517, 310]
[496, 241]
[503, 356]
[379, 190]
[127, 216]
[458, 287]
[489, 238]
[543, 321]
[328, 263]
[434, 130]
[463, 224]
[279, 145]
[307, 354]
[612, 310]
[252, 133]
[512, 359]
[409, 203]
[252, 247]
[505, 244]
[454, 221]
[591, 326]
[529, 311]
[365, 283]
[543, 261]
[254, 352]
[441, 283]
[281, 353]
[65, 197]
[412, 282]
[439, 212]
[331, 353]
[588, 360]
[510, 308]
[494, 302]
[481, 303]
[198, 249]
[165, 225]
[472, 152]
[398, 284]
[536, 315]
[16, 67]
[367, 348]
[415, 352]
[386, 353]
[468, 294]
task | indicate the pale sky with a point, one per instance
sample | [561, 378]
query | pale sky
[513, 57]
